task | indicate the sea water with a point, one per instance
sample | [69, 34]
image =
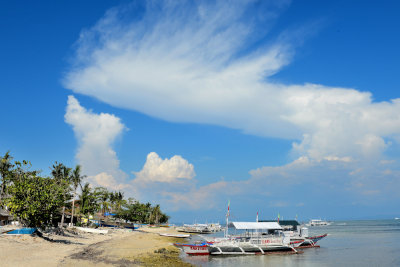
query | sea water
[349, 243]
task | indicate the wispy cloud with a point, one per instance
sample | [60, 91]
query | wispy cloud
[201, 63]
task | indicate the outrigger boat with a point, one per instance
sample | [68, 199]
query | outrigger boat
[200, 228]
[307, 242]
[299, 237]
[257, 238]
[197, 249]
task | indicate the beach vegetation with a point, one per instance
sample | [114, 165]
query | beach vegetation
[38, 201]
[142, 213]
[33, 199]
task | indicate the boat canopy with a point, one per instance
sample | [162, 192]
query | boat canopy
[284, 222]
[257, 225]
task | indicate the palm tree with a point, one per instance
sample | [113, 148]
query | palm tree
[62, 175]
[113, 198]
[88, 200]
[119, 200]
[76, 179]
[102, 195]
[156, 214]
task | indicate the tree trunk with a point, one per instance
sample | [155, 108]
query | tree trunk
[73, 208]
[62, 217]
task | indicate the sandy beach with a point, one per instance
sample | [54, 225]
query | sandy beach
[117, 248]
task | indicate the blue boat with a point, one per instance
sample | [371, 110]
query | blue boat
[22, 231]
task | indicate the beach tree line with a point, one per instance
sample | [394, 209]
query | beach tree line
[42, 201]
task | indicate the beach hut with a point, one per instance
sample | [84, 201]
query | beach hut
[5, 217]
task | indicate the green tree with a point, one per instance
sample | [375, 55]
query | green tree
[76, 179]
[164, 218]
[135, 211]
[34, 199]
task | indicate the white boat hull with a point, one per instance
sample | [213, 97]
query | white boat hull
[176, 235]
[91, 230]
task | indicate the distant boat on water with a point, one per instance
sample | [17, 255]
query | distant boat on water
[397, 218]
[318, 222]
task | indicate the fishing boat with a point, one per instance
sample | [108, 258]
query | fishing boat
[306, 242]
[175, 235]
[22, 231]
[299, 236]
[257, 238]
[92, 230]
[318, 222]
[199, 228]
[196, 249]
[117, 225]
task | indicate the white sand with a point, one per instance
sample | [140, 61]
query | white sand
[98, 250]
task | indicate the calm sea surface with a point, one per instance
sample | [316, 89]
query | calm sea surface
[349, 243]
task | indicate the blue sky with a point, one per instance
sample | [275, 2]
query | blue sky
[286, 107]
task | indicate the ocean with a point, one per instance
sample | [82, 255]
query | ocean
[349, 243]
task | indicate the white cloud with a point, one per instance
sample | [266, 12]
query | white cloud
[170, 170]
[96, 134]
[202, 198]
[278, 204]
[198, 65]
[184, 67]
[106, 180]
[329, 181]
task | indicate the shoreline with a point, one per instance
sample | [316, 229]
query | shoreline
[118, 248]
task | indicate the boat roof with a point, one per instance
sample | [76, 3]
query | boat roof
[257, 225]
[284, 222]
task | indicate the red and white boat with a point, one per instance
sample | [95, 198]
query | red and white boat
[195, 249]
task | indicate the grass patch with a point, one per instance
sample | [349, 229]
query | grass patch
[163, 257]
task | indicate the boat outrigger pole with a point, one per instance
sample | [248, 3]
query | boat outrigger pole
[227, 221]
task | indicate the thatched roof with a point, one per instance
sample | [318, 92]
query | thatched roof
[5, 213]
